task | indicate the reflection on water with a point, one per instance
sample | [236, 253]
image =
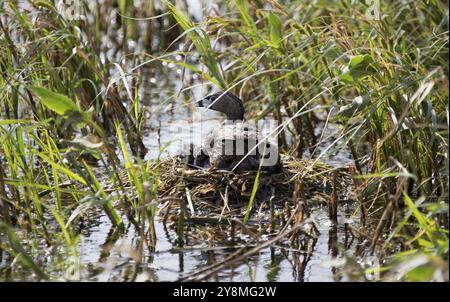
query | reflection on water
[113, 257]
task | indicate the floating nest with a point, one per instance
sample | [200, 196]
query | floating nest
[248, 211]
[209, 193]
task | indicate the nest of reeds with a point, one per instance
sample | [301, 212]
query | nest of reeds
[210, 193]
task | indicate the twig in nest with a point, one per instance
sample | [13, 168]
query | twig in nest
[189, 199]
[225, 202]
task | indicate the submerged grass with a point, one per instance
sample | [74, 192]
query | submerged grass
[71, 118]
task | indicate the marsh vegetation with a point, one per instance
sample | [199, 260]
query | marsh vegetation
[90, 186]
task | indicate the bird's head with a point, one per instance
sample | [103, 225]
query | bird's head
[225, 102]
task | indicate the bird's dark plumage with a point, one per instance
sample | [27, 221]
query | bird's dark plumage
[231, 133]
